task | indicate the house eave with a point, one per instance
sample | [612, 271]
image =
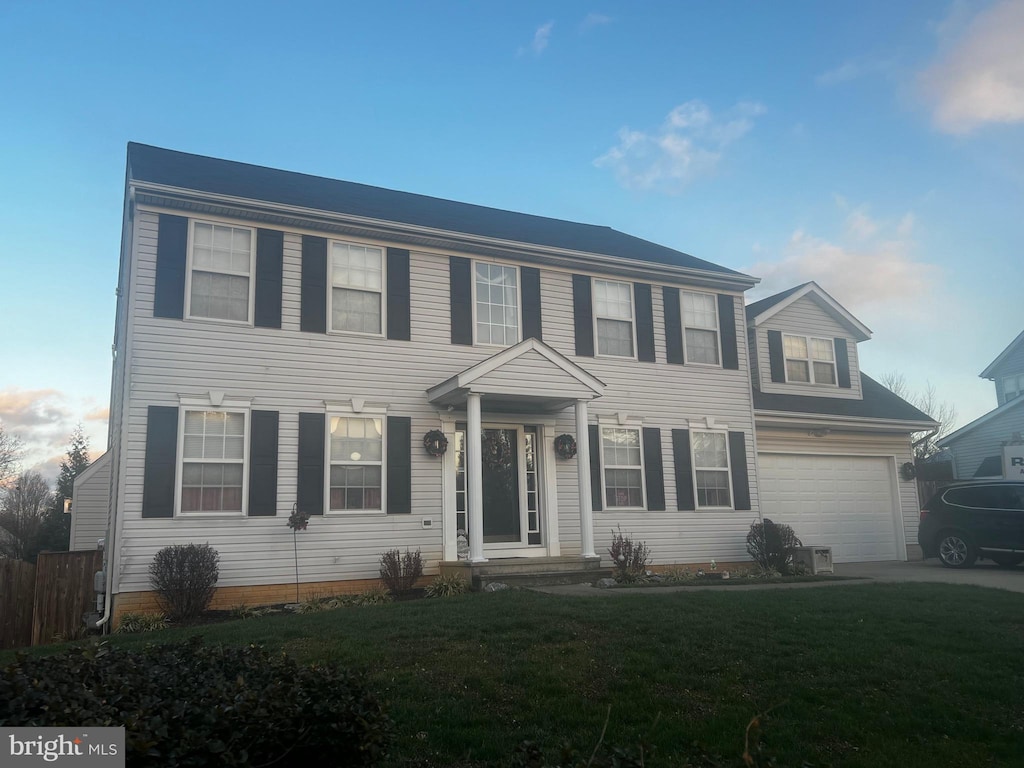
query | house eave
[970, 427]
[990, 371]
[784, 419]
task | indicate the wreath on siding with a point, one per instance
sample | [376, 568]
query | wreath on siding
[908, 471]
[565, 446]
[435, 442]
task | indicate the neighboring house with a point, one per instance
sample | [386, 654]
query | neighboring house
[984, 448]
[831, 441]
[90, 506]
[284, 340]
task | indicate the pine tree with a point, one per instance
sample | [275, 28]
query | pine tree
[55, 535]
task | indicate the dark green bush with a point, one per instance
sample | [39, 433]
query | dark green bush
[184, 577]
[771, 545]
[189, 704]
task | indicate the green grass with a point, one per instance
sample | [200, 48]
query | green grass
[865, 675]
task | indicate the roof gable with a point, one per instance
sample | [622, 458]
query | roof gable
[992, 371]
[967, 428]
[760, 311]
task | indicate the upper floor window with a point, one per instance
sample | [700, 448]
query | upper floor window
[700, 324]
[613, 318]
[809, 360]
[623, 467]
[1013, 386]
[213, 461]
[220, 272]
[357, 279]
[356, 461]
[496, 290]
[711, 469]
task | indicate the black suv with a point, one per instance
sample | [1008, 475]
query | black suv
[969, 520]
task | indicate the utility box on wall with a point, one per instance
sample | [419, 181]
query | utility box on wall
[815, 559]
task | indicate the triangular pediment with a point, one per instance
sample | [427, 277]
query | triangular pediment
[765, 309]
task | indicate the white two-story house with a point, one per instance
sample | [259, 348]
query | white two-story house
[487, 386]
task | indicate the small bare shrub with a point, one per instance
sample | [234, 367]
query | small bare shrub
[772, 545]
[399, 572]
[184, 577]
[630, 557]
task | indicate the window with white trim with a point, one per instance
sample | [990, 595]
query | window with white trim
[355, 463]
[1013, 386]
[213, 461]
[711, 475]
[809, 360]
[622, 461]
[496, 288]
[700, 327]
[220, 272]
[613, 318]
[357, 288]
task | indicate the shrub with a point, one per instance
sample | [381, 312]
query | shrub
[131, 623]
[399, 572]
[630, 558]
[372, 596]
[772, 545]
[243, 611]
[184, 577]
[446, 586]
[317, 603]
[190, 704]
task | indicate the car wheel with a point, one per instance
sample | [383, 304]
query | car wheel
[956, 550]
[1005, 560]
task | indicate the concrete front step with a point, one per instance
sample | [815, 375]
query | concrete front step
[528, 571]
[552, 579]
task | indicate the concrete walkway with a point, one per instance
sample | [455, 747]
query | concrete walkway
[984, 574]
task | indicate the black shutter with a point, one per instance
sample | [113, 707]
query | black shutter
[654, 472]
[673, 326]
[398, 294]
[171, 247]
[161, 461]
[263, 464]
[399, 465]
[842, 363]
[596, 489]
[531, 303]
[310, 492]
[684, 469]
[738, 463]
[269, 268]
[776, 357]
[583, 317]
[314, 285]
[727, 327]
[460, 277]
[644, 323]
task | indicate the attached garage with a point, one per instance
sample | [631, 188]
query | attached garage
[846, 502]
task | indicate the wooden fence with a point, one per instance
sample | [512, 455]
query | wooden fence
[39, 602]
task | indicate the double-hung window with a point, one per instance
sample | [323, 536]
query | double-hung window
[809, 360]
[357, 280]
[711, 469]
[700, 324]
[623, 467]
[213, 461]
[613, 318]
[496, 288]
[355, 455]
[1013, 386]
[220, 273]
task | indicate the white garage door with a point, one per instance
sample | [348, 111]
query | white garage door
[844, 502]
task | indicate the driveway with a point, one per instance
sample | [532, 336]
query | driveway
[983, 574]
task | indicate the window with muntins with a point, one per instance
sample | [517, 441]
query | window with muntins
[711, 469]
[1013, 386]
[497, 304]
[809, 360]
[213, 461]
[356, 460]
[357, 280]
[700, 326]
[220, 274]
[623, 467]
[613, 313]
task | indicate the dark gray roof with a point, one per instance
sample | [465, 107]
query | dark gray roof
[877, 403]
[254, 182]
[756, 308]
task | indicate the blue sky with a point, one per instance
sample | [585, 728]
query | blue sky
[875, 147]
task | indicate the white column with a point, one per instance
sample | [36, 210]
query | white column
[475, 476]
[583, 475]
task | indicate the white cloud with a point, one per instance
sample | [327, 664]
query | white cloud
[540, 41]
[979, 78]
[592, 20]
[687, 146]
[853, 69]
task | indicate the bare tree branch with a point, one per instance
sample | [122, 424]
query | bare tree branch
[22, 512]
[10, 453]
[927, 400]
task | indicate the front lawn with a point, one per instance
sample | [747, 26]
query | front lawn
[865, 675]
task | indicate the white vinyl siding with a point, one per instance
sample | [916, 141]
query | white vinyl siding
[711, 469]
[700, 328]
[622, 462]
[357, 288]
[91, 505]
[220, 272]
[355, 464]
[613, 318]
[1013, 386]
[212, 467]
